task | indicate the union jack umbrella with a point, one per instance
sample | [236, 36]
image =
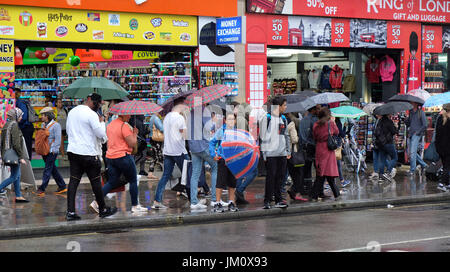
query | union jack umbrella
[207, 94]
[240, 151]
[135, 107]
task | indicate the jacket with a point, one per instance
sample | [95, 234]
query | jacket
[387, 69]
[215, 147]
[442, 142]
[324, 82]
[336, 77]
[16, 139]
[387, 128]
[417, 123]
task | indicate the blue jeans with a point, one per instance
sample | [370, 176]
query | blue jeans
[385, 152]
[414, 157]
[51, 170]
[198, 160]
[116, 167]
[376, 158]
[242, 183]
[169, 164]
[14, 178]
[339, 165]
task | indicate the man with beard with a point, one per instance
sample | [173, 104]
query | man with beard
[83, 127]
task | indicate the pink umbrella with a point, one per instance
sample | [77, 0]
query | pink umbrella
[135, 107]
[207, 94]
[421, 93]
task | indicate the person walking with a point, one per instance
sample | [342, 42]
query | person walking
[84, 128]
[141, 156]
[174, 150]
[375, 152]
[326, 165]
[338, 152]
[225, 179]
[443, 145]
[25, 125]
[12, 137]
[155, 124]
[122, 137]
[416, 125]
[276, 149]
[54, 142]
[384, 140]
[61, 113]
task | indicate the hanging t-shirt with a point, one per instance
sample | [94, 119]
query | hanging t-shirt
[373, 70]
[387, 69]
[313, 78]
[174, 143]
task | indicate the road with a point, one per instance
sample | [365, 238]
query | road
[420, 228]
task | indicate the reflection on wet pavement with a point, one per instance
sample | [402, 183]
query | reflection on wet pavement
[51, 208]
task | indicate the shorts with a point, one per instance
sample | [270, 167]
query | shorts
[224, 176]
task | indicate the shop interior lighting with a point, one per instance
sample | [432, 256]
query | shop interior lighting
[286, 53]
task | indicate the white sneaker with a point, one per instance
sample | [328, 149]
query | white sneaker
[213, 203]
[202, 201]
[138, 209]
[374, 176]
[94, 206]
[393, 172]
[158, 206]
[198, 206]
[224, 204]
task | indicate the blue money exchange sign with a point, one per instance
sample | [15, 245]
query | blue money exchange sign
[229, 30]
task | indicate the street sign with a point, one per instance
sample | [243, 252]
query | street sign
[230, 30]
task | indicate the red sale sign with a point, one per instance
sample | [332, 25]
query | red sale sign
[278, 30]
[340, 33]
[432, 39]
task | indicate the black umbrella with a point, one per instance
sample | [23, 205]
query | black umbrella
[392, 108]
[168, 104]
[407, 98]
[299, 96]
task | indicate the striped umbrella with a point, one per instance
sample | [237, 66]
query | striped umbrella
[207, 94]
[421, 93]
[240, 151]
[135, 107]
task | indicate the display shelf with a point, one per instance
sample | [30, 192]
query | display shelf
[34, 79]
[39, 90]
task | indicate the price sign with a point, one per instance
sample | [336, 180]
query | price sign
[278, 27]
[432, 39]
[340, 33]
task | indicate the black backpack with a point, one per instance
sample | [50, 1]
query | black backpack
[381, 139]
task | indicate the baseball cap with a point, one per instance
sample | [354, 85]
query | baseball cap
[46, 109]
[95, 97]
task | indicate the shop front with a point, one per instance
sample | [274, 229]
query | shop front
[368, 51]
[149, 54]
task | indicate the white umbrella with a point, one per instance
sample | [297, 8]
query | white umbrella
[370, 107]
[421, 93]
[324, 98]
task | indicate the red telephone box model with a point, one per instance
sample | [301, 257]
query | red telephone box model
[295, 37]
[262, 6]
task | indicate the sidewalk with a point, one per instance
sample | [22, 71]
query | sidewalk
[46, 215]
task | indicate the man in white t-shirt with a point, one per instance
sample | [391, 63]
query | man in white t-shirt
[84, 126]
[174, 150]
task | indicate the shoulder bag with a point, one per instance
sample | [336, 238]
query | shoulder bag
[10, 157]
[333, 140]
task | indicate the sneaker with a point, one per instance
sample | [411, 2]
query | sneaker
[281, 205]
[39, 193]
[203, 201]
[393, 172]
[143, 173]
[94, 206]
[232, 207]
[387, 176]
[198, 206]
[326, 187]
[158, 206]
[2, 192]
[267, 206]
[61, 190]
[108, 211]
[374, 175]
[345, 182]
[139, 209]
[224, 204]
[213, 203]
[442, 187]
[240, 199]
[71, 216]
[218, 208]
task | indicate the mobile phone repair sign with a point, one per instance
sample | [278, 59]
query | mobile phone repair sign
[230, 30]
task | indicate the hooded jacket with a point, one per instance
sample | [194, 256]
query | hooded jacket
[324, 82]
[336, 77]
[387, 69]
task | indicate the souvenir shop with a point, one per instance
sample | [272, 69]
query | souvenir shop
[294, 46]
[149, 55]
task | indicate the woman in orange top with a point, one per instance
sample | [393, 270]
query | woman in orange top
[121, 140]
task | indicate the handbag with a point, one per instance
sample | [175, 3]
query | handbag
[157, 135]
[333, 141]
[338, 153]
[10, 157]
[430, 154]
[297, 158]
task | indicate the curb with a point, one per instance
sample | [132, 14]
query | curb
[98, 225]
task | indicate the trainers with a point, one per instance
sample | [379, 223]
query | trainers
[345, 183]
[61, 190]
[393, 172]
[232, 207]
[224, 204]
[240, 199]
[202, 201]
[2, 192]
[94, 206]
[281, 205]
[108, 211]
[267, 206]
[387, 176]
[39, 193]
[198, 206]
[374, 175]
[158, 206]
[138, 209]
[218, 208]
[442, 187]
[213, 203]
[71, 216]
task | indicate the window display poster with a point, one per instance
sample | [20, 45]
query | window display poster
[431, 39]
[309, 31]
[340, 32]
[368, 33]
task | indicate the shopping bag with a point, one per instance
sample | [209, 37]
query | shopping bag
[184, 173]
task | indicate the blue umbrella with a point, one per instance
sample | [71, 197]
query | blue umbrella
[240, 152]
[437, 100]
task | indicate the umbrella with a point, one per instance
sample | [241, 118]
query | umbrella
[298, 97]
[392, 107]
[168, 104]
[240, 151]
[369, 108]
[135, 107]
[437, 100]
[347, 112]
[108, 89]
[407, 98]
[207, 94]
[420, 93]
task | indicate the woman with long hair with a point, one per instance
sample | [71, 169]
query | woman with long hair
[443, 145]
[326, 165]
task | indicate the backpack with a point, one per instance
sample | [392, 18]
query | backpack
[380, 138]
[41, 144]
[32, 115]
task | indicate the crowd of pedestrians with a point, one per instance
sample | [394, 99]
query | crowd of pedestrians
[192, 138]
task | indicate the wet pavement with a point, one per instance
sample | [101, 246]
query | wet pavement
[50, 210]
